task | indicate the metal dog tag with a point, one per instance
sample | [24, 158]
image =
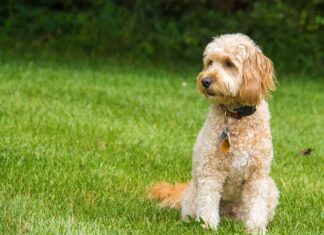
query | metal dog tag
[225, 140]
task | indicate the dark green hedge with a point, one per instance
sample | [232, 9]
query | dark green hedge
[290, 32]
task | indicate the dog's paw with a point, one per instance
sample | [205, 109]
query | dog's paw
[257, 231]
[209, 223]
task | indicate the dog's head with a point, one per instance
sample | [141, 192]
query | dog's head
[235, 71]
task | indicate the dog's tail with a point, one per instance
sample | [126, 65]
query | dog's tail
[168, 194]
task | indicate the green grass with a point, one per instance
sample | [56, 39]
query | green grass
[82, 139]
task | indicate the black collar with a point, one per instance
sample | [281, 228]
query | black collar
[239, 112]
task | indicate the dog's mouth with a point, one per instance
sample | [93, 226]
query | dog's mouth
[215, 95]
[210, 93]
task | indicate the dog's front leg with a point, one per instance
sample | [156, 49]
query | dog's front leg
[255, 195]
[208, 199]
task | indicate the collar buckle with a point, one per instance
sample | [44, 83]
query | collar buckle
[235, 114]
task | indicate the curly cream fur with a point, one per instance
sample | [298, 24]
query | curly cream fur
[236, 183]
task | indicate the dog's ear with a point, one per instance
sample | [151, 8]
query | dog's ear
[258, 79]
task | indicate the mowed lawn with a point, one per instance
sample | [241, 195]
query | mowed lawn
[81, 140]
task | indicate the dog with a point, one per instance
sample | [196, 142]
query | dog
[233, 152]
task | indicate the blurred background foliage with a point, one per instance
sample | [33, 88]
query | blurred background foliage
[290, 32]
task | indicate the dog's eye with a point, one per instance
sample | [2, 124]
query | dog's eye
[229, 64]
[209, 63]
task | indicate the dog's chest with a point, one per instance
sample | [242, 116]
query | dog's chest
[237, 174]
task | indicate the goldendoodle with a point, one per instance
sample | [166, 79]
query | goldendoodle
[233, 151]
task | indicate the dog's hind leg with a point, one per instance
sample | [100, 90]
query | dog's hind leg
[273, 198]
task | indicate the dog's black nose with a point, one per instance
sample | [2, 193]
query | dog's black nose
[206, 82]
